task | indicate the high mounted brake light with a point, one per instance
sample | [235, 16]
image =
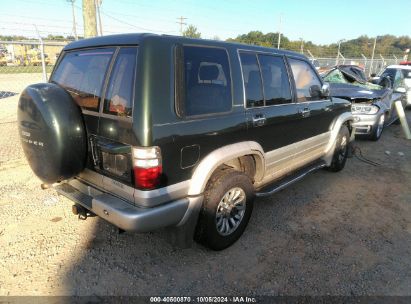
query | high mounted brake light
[147, 167]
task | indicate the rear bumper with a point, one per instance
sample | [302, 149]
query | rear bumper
[123, 214]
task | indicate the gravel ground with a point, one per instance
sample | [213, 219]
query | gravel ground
[341, 234]
[15, 83]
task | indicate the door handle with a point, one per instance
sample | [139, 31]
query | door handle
[259, 120]
[305, 112]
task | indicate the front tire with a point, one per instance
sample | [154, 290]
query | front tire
[341, 150]
[376, 134]
[227, 207]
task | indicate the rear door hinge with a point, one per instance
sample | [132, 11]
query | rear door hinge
[94, 154]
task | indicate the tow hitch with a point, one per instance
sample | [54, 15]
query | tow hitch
[82, 212]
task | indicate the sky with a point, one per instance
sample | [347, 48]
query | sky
[319, 21]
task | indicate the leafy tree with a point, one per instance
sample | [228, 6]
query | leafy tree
[387, 45]
[191, 32]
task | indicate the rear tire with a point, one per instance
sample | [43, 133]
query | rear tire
[227, 207]
[341, 150]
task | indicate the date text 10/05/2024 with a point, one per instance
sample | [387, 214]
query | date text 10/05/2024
[235, 299]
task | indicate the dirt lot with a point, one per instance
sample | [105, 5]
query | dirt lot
[340, 234]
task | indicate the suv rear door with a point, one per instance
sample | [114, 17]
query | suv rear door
[115, 133]
[82, 74]
[101, 82]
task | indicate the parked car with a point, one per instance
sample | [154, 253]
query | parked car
[372, 105]
[151, 131]
[400, 78]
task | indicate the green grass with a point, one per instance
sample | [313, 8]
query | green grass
[24, 69]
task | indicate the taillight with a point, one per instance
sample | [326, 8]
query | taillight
[147, 167]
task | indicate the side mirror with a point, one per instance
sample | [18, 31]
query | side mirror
[325, 90]
[385, 82]
[408, 75]
[401, 90]
[315, 91]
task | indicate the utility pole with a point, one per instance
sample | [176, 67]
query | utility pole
[98, 4]
[89, 17]
[181, 22]
[372, 57]
[338, 52]
[365, 61]
[74, 19]
[311, 54]
[279, 33]
[302, 45]
[43, 62]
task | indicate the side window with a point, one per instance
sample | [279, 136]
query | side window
[305, 78]
[406, 74]
[119, 96]
[252, 80]
[275, 79]
[207, 81]
[82, 74]
[398, 79]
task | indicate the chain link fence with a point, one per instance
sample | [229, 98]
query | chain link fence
[370, 66]
[26, 62]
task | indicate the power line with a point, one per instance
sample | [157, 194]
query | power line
[37, 18]
[74, 18]
[132, 25]
[181, 22]
[37, 24]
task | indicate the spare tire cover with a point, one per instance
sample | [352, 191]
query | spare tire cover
[52, 132]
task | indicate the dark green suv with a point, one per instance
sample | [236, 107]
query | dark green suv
[151, 131]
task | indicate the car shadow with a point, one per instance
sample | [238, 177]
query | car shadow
[277, 253]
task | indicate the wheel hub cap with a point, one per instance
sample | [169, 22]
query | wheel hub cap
[230, 211]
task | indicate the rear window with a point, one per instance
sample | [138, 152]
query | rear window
[82, 74]
[119, 96]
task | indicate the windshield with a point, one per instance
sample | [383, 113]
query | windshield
[389, 73]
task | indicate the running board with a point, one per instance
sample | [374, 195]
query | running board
[290, 179]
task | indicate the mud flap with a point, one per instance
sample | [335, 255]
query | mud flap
[351, 147]
[182, 236]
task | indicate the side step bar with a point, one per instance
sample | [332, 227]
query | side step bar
[290, 179]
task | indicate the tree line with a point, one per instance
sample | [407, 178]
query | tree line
[363, 45]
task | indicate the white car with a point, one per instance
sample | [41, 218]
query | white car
[400, 76]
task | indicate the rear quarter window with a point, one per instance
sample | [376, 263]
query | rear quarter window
[207, 81]
[82, 74]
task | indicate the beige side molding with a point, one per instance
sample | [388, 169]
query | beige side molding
[218, 157]
[335, 129]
